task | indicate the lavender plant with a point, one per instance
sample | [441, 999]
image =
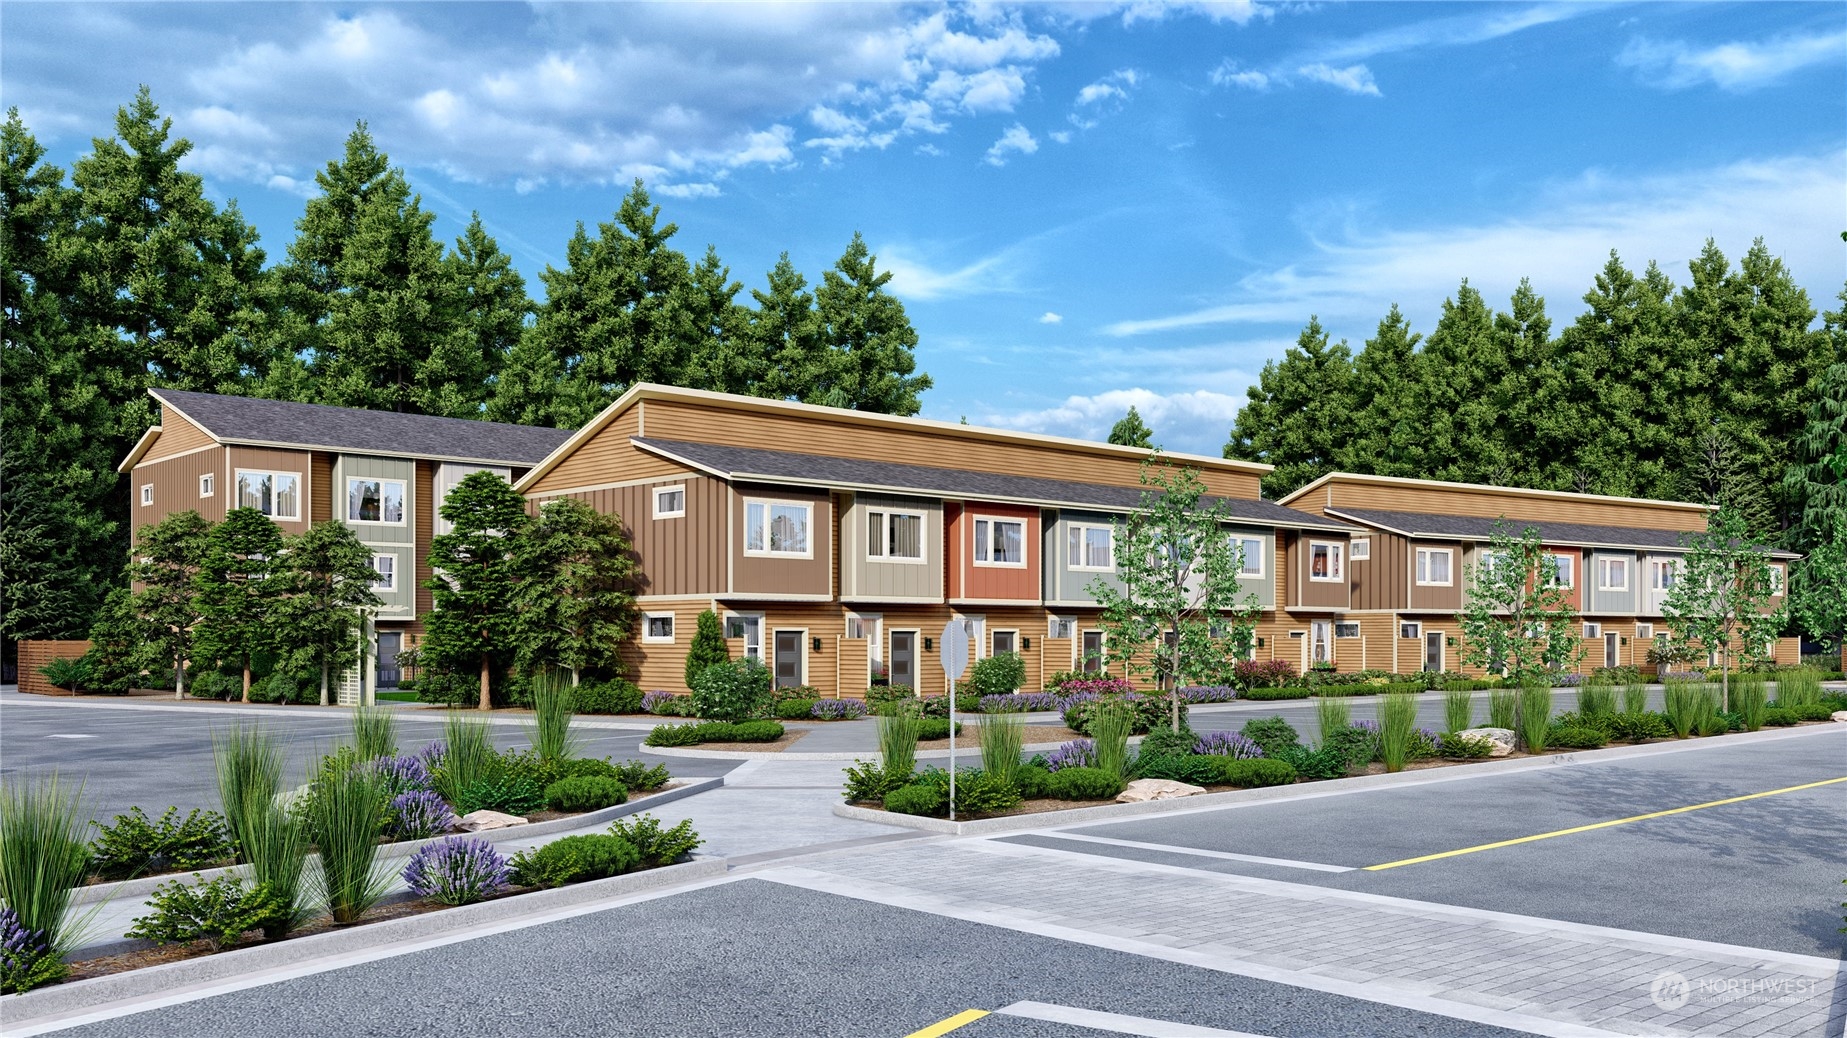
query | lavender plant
[1226, 744]
[1078, 753]
[419, 813]
[402, 775]
[837, 709]
[457, 871]
[26, 960]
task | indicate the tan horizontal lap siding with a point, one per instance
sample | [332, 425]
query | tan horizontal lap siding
[606, 457]
[679, 556]
[812, 434]
[36, 653]
[661, 665]
[1493, 502]
[177, 436]
[176, 488]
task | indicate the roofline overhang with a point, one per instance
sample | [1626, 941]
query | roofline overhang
[142, 446]
[1427, 535]
[1568, 495]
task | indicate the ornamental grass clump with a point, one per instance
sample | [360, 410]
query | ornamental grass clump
[249, 765]
[1503, 708]
[457, 871]
[375, 732]
[468, 757]
[1109, 727]
[1597, 700]
[1635, 697]
[1458, 710]
[1397, 726]
[344, 820]
[1535, 717]
[43, 858]
[275, 848]
[1749, 699]
[1682, 706]
[1798, 688]
[1332, 715]
[553, 706]
[1002, 736]
[898, 742]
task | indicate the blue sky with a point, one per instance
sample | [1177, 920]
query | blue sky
[1085, 205]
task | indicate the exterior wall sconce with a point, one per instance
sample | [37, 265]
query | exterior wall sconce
[1026, 643]
[1450, 640]
[1260, 643]
[926, 645]
[815, 644]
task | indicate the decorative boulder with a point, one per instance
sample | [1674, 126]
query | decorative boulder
[1502, 738]
[1156, 789]
[1839, 715]
[478, 821]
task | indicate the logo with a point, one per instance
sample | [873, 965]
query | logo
[1670, 990]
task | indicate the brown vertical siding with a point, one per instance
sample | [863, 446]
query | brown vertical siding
[683, 556]
[1425, 597]
[1319, 594]
[424, 494]
[275, 461]
[321, 507]
[176, 488]
[177, 436]
[1383, 581]
[756, 574]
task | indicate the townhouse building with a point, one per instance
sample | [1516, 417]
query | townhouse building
[382, 473]
[1409, 569]
[835, 545]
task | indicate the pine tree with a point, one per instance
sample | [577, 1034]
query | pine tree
[1529, 398]
[122, 645]
[325, 584]
[168, 558]
[869, 339]
[786, 333]
[1131, 431]
[1817, 473]
[43, 592]
[475, 581]
[494, 310]
[1297, 417]
[1461, 365]
[1382, 413]
[237, 587]
[577, 576]
[708, 647]
[723, 357]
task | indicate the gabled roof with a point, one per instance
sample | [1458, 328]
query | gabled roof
[249, 421]
[1402, 481]
[1473, 528]
[753, 464]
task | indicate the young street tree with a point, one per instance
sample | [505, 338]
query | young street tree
[476, 577]
[1723, 594]
[1175, 611]
[575, 601]
[325, 582]
[236, 587]
[1519, 617]
[168, 559]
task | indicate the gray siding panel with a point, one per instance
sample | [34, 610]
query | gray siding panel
[396, 540]
[868, 579]
[1602, 601]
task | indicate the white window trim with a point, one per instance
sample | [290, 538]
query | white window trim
[655, 497]
[1352, 624]
[1337, 554]
[1644, 632]
[1244, 574]
[974, 527]
[1052, 624]
[1361, 549]
[1776, 579]
[147, 494]
[923, 539]
[1593, 630]
[1423, 567]
[647, 620]
[992, 631]
[1416, 626]
[743, 638]
[1571, 561]
[403, 497]
[1659, 567]
[208, 484]
[393, 585]
[765, 552]
[1604, 565]
[1080, 529]
[301, 486]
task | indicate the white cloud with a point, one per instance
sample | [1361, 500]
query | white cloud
[1016, 139]
[1736, 67]
[966, 50]
[770, 147]
[1556, 236]
[1354, 79]
[912, 278]
[700, 190]
[1051, 318]
[1228, 74]
[1238, 12]
[1061, 136]
[1193, 421]
[1098, 92]
[991, 90]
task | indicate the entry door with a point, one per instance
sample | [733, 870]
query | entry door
[390, 643]
[1433, 651]
[902, 667]
[1319, 633]
[788, 659]
[1612, 656]
[1093, 652]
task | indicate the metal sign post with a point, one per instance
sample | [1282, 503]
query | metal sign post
[955, 660]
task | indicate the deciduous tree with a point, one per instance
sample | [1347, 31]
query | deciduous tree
[476, 578]
[575, 599]
[325, 585]
[1518, 617]
[1724, 595]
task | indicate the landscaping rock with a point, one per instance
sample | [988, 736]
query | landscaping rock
[1502, 738]
[1839, 715]
[479, 821]
[1156, 789]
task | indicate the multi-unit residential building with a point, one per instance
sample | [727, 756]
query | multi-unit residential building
[382, 473]
[1408, 572]
[837, 544]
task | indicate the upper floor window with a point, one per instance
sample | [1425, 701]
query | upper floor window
[1434, 566]
[1324, 561]
[275, 494]
[1661, 574]
[1000, 542]
[1612, 574]
[894, 536]
[777, 528]
[208, 484]
[386, 566]
[1090, 547]
[1564, 567]
[147, 493]
[370, 500]
[669, 502]
[1252, 554]
[1776, 580]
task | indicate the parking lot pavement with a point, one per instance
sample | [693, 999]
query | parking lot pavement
[1764, 872]
[152, 755]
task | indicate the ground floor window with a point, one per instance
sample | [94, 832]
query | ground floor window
[657, 627]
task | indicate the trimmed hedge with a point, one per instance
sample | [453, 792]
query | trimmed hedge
[714, 731]
[1083, 784]
[1251, 773]
[584, 794]
[1284, 692]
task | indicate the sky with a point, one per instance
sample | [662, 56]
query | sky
[1084, 206]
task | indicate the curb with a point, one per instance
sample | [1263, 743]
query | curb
[330, 712]
[1334, 787]
[145, 885]
[62, 999]
[846, 756]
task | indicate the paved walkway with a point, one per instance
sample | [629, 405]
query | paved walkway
[1532, 974]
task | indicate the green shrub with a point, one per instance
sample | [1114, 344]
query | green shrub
[282, 687]
[574, 859]
[869, 781]
[1503, 708]
[1814, 712]
[1280, 692]
[1271, 734]
[213, 684]
[1327, 762]
[1083, 784]
[1251, 773]
[1356, 745]
[638, 776]
[1145, 713]
[1033, 781]
[1458, 710]
[615, 696]
[1778, 717]
[754, 731]
[1198, 770]
[72, 674]
[219, 912]
[735, 690]
[508, 794]
[794, 709]
[1166, 742]
[980, 793]
[676, 735]
[935, 728]
[1464, 747]
[918, 798]
[1635, 728]
[890, 694]
[657, 846]
[584, 794]
[1576, 737]
[134, 845]
[998, 675]
[707, 649]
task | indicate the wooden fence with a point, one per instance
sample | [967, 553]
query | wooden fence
[35, 654]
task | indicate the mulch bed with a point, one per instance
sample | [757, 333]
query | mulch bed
[789, 738]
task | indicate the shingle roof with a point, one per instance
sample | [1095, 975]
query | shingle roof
[746, 463]
[1475, 528]
[240, 419]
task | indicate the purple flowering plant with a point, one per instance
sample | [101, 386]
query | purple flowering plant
[418, 814]
[1078, 753]
[1227, 744]
[456, 871]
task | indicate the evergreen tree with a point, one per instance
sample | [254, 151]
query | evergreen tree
[494, 309]
[1461, 366]
[723, 354]
[1529, 398]
[1382, 411]
[786, 334]
[708, 647]
[869, 339]
[325, 584]
[43, 593]
[168, 558]
[475, 581]
[237, 586]
[1131, 431]
[121, 649]
[577, 575]
[1297, 416]
[1818, 587]
[1817, 473]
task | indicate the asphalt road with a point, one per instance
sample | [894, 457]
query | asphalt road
[753, 958]
[155, 756]
[1764, 872]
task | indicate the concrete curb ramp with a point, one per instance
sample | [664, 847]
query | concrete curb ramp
[1334, 787]
[65, 999]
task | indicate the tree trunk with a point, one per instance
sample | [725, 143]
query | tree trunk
[487, 703]
[179, 678]
[246, 679]
[1173, 691]
[573, 677]
[1725, 675]
[324, 669]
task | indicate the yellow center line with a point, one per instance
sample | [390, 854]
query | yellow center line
[942, 1027]
[1602, 825]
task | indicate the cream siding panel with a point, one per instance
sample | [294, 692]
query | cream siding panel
[867, 579]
